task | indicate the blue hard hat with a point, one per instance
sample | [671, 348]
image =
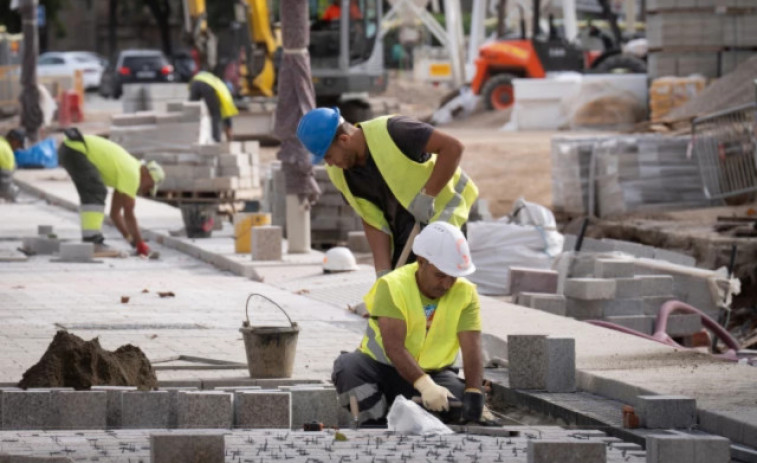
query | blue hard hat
[316, 131]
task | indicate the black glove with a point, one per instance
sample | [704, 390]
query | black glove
[473, 405]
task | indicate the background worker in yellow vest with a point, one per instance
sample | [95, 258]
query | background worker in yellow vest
[94, 163]
[12, 141]
[217, 97]
[394, 171]
[421, 314]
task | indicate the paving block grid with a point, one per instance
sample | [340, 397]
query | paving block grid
[133, 446]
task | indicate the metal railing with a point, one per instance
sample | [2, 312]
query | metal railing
[725, 146]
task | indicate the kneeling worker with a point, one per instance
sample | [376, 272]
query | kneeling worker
[420, 315]
[217, 97]
[94, 163]
[13, 141]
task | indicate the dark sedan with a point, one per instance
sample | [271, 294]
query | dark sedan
[135, 66]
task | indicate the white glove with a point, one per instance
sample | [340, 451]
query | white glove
[433, 395]
[422, 207]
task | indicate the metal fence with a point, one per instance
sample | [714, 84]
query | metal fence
[725, 146]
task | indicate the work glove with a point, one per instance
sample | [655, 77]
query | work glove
[143, 249]
[473, 404]
[422, 207]
[434, 396]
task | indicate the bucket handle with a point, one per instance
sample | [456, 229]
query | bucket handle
[247, 305]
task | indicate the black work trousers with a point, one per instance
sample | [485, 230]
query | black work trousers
[376, 385]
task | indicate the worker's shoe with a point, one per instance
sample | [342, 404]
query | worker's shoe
[488, 418]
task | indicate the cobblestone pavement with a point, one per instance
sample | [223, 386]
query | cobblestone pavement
[202, 319]
[261, 446]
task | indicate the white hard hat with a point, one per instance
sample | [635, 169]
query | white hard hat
[446, 248]
[339, 259]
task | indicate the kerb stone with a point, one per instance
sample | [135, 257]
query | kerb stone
[590, 289]
[204, 409]
[613, 268]
[79, 409]
[263, 409]
[551, 451]
[145, 409]
[561, 365]
[313, 404]
[666, 411]
[527, 360]
[114, 406]
[532, 280]
[26, 409]
[266, 242]
[187, 447]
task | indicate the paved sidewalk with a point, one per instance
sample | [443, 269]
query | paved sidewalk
[611, 364]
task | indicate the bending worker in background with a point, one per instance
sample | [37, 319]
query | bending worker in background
[12, 141]
[420, 316]
[385, 170]
[217, 97]
[94, 163]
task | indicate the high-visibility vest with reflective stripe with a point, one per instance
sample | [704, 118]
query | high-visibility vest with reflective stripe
[7, 158]
[405, 179]
[433, 350]
[228, 109]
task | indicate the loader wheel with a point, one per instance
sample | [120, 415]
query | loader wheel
[498, 92]
[622, 64]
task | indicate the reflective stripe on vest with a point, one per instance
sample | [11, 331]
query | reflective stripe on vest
[434, 350]
[405, 179]
[228, 109]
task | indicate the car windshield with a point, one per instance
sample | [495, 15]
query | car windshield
[153, 61]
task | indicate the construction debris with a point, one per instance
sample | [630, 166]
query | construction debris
[72, 362]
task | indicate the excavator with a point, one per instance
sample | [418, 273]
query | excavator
[521, 57]
[238, 40]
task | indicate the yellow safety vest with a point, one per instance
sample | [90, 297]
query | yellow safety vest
[7, 158]
[405, 179]
[434, 350]
[224, 95]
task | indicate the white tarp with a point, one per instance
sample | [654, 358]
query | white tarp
[528, 237]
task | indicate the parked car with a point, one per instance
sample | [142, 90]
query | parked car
[56, 63]
[135, 66]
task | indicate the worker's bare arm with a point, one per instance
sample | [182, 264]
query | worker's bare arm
[381, 247]
[473, 364]
[393, 333]
[449, 151]
[117, 204]
[132, 228]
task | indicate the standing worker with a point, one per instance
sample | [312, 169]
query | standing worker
[217, 97]
[94, 163]
[420, 316]
[385, 170]
[13, 140]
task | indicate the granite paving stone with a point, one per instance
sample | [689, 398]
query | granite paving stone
[263, 409]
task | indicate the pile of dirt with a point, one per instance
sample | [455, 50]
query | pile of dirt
[72, 362]
[734, 89]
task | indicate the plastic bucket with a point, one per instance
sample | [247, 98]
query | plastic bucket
[199, 219]
[270, 349]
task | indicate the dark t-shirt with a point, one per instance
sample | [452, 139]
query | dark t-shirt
[411, 137]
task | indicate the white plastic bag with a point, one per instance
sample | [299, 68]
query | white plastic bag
[407, 417]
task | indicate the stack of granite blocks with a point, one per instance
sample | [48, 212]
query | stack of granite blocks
[687, 448]
[220, 167]
[659, 275]
[183, 124]
[606, 176]
[153, 97]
